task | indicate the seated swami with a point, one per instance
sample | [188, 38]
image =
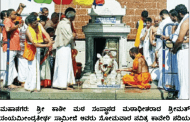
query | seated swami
[140, 76]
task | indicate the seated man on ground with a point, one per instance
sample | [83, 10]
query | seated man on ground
[140, 76]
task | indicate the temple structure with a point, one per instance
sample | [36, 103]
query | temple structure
[105, 29]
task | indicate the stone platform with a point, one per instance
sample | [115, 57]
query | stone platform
[79, 93]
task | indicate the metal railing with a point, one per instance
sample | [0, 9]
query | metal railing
[8, 53]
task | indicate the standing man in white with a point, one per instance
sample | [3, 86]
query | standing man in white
[181, 47]
[11, 28]
[144, 37]
[34, 41]
[164, 14]
[22, 62]
[63, 72]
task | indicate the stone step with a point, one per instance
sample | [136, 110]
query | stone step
[79, 93]
[90, 93]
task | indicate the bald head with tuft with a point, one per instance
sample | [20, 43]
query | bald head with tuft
[157, 20]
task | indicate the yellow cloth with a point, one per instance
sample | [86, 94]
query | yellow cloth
[38, 18]
[138, 80]
[83, 2]
[36, 37]
[137, 40]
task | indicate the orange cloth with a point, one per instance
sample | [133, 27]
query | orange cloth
[14, 37]
[100, 1]
[139, 80]
[29, 51]
[137, 40]
[19, 19]
[74, 54]
[46, 83]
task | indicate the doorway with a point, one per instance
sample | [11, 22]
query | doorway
[99, 46]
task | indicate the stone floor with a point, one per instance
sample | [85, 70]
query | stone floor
[80, 93]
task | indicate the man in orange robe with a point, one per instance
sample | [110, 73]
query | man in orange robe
[140, 76]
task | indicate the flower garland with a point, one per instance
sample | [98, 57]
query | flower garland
[105, 70]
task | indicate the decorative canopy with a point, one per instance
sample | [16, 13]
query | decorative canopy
[83, 2]
[66, 2]
[43, 1]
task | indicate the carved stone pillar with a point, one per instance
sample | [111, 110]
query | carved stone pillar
[89, 55]
[122, 52]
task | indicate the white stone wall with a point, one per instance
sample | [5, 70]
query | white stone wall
[171, 4]
[80, 46]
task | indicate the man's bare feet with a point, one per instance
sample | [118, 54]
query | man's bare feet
[36, 90]
[79, 82]
[22, 84]
[69, 88]
[12, 86]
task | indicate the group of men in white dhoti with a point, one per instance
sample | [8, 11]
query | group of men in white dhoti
[27, 39]
[176, 58]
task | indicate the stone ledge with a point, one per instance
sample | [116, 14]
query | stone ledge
[90, 94]
[127, 93]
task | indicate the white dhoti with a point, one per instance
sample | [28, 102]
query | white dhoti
[147, 50]
[22, 68]
[33, 77]
[159, 49]
[153, 50]
[182, 59]
[63, 72]
[12, 69]
[155, 73]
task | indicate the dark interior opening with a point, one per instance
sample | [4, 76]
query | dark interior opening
[99, 46]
